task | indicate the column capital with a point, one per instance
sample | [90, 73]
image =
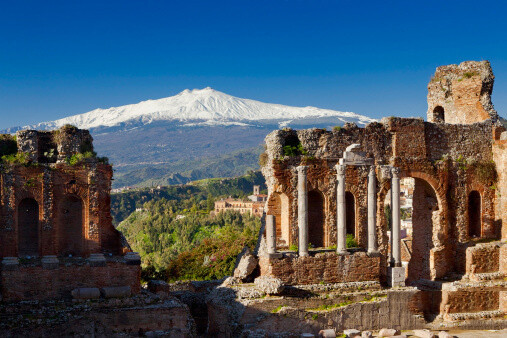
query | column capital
[371, 171]
[386, 171]
[396, 172]
[302, 169]
[340, 169]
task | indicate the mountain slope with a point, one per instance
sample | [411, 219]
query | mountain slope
[195, 134]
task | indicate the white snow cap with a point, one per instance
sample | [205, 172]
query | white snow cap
[202, 106]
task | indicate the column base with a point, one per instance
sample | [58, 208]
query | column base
[50, 262]
[343, 253]
[303, 254]
[373, 253]
[276, 255]
[396, 276]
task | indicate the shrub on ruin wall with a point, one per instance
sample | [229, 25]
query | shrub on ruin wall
[17, 158]
[8, 145]
[351, 241]
[485, 172]
[263, 159]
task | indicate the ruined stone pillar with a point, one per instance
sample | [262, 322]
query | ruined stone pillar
[372, 211]
[341, 244]
[302, 211]
[396, 225]
[271, 234]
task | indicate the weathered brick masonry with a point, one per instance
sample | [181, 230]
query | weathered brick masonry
[457, 159]
[325, 267]
[55, 204]
[36, 283]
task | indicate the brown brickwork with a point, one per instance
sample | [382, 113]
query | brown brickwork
[37, 283]
[482, 258]
[57, 203]
[62, 209]
[323, 267]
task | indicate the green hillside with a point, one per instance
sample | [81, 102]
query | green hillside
[173, 230]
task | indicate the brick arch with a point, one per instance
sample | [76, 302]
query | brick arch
[439, 231]
[279, 206]
[486, 206]
[28, 227]
[71, 225]
[354, 191]
[440, 193]
[316, 218]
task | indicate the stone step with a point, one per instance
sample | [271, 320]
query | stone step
[453, 317]
[470, 285]
[487, 276]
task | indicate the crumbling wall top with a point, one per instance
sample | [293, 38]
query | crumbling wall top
[461, 94]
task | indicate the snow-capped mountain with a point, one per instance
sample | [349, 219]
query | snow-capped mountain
[195, 134]
[204, 107]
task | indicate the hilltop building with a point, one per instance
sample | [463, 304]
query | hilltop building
[255, 204]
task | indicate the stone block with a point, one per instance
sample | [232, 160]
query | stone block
[424, 333]
[116, 291]
[85, 293]
[350, 333]
[443, 334]
[388, 332]
[327, 333]
[246, 266]
[366, 334]
[269, 285]
[50, 262]
[132, 258]
[396, 276]
[97, 260]
[10, 263]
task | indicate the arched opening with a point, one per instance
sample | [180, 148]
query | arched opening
[71, 226]
[316, 218]
[279, 207]
[350, 213]
[474, 214]
[438, 114]
[425, 218]
[28, 227]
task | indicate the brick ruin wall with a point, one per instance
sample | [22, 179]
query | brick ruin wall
[37, 283]
[55, 190]
[323, 267]
[500, 158]
[449, 162]
[55, 204]
[461, 94]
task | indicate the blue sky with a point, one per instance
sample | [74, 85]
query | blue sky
[59, 58]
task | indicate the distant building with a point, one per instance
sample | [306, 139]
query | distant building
[255, 205]
[257, 196]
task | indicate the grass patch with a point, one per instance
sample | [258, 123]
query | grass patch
[277, 309]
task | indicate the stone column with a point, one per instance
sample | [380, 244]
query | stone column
[341, 244]
[302, 211]
[395, 231]
[271, 234]
[372, 211]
